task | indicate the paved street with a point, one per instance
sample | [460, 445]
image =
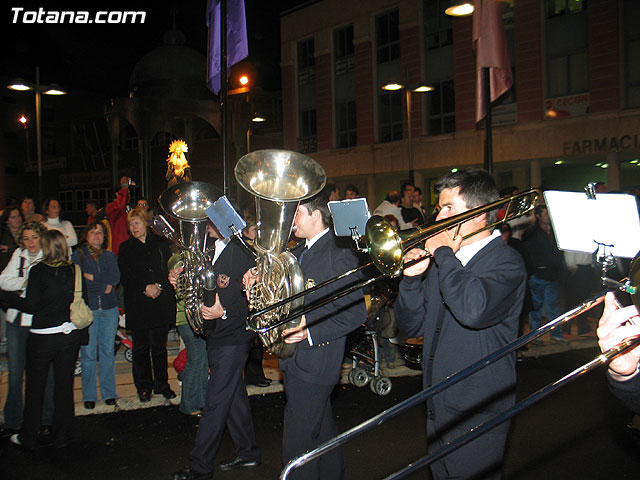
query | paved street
[579, 432]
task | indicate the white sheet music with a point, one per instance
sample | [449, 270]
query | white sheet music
[611, 219]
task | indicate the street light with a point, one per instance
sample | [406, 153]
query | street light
[256, 118]
[459, 8]
[408, 90]
[21, 86]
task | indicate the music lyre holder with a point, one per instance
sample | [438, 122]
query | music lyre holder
[227, 220]
[610, 221]
[350, 218]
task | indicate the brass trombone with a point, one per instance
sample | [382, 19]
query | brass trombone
[422, 396]
[386, 248]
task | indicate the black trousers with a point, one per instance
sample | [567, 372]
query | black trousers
[308, 422]
[150, 349]
[61, 351]
[480, 459]
[226, 405]
[253, 371]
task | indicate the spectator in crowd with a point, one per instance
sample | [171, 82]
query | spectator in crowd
[583, 280]
[14, 279]
[417, 202]
[623, 373]
[9, 202]
[465, 300]
[51, 209]
[10, 223]
[149, 304]
[391, 206]
[28, 208]
[53, 340]
[101, 275]
[117, 215]
[546, 268]
[196, 369]
[144, 204]
[332, 191]
[91, 208]
[410, 214]
[351, 192]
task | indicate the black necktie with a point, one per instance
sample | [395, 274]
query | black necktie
[302, 253]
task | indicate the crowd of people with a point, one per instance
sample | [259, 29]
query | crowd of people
[468, 297]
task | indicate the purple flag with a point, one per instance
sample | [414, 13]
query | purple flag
[237, 44]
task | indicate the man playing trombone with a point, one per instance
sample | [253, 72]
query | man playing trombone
[465, 300]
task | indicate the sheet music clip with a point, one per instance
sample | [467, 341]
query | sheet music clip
[590, 190]
[225, 218]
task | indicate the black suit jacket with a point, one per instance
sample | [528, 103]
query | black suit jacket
[464, 314]
[328, 326]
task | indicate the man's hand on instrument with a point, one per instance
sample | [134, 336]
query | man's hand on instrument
[212, 312]
[445, 239]
[297, 334]
[614, 327]
[250, 277]
[420, 267]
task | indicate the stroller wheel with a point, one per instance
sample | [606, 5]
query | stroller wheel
[358, 377]
[128, 355]
[380, 386]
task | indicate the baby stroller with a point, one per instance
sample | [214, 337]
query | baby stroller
[122, 339]
[363, 350]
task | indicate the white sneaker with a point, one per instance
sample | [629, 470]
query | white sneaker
[15, 440]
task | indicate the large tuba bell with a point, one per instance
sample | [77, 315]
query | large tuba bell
[279, 179]
[187, 203]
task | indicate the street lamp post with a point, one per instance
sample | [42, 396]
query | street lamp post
[22, 86]
[408, 90]
[256, 119]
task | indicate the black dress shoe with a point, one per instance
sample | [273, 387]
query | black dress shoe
[188, 474]
[110, 401]
[169, 394]
[144, 397]
[6, 432]
[89, 405]
[238, 463]
[261, 383]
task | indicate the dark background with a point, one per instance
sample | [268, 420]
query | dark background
[100, 58]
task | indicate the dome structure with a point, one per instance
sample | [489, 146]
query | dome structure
[172, 71]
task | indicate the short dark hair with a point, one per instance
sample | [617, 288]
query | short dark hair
[477, 188]
[92, 202]
[329, 188]
[418, 189]
[405, 185]
[319, 202]
[352, 188]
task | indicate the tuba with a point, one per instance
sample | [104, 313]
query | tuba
[279, 179]
[187, 203]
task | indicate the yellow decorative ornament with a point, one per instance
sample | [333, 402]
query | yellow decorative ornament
[178, 169]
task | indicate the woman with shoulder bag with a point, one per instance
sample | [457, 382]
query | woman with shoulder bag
[53, 340]
[101, 274]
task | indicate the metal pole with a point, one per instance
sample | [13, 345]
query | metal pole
[488, 145]
[223, 91]
[409, 136]
[39, 138]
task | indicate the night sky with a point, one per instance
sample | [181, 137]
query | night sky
[100, 58]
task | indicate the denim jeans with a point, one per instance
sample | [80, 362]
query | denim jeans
[100, 354]
[544, 294]
[17, 357]
[196, 371]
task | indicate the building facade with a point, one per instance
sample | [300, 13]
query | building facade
[571, 117]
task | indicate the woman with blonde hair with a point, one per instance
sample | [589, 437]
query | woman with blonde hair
[149, 304]
[14, 279]
[53, 340]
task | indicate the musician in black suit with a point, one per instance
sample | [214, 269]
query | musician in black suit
[314, 369]
[228, 344]
[465, 301]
